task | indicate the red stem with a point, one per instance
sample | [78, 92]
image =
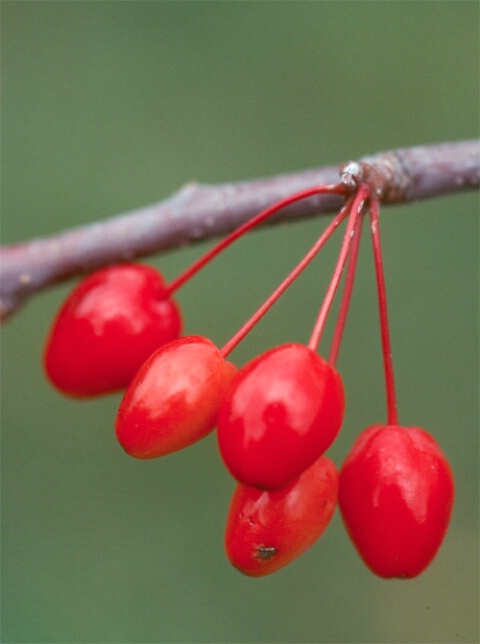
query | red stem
[246, 328]
[392, 413]
[180, 280]
[347, 293]
[358, 201]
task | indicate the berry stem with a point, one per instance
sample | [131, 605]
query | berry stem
[361, 195]
[392, 413]
[347, 293]
[246, 328]
[181, 279]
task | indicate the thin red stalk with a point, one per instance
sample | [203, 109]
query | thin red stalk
[247, 327]
[347, 293]
[180, 280]
[392, 413]
[360, 196]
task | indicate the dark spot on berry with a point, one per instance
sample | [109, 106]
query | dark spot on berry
[264, 552]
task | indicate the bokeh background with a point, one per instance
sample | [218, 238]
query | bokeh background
[109, 106]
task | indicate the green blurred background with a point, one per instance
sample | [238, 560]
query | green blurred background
[109, 106]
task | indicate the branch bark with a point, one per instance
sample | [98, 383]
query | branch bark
[197, 212]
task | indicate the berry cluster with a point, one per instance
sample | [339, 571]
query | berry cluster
[275, 416]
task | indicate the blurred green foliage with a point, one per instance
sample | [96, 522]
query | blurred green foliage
[108, 106]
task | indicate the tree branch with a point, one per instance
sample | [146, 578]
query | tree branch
[198, 212]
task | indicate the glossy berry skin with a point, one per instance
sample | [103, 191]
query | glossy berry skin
[266, 530]
[173, 400]
[280, 414]
[396, 496]
[108, 326]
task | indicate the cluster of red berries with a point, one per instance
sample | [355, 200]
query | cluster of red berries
[276, 416]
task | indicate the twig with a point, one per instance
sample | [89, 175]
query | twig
[200, 212]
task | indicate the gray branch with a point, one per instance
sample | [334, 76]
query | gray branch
[202, 211]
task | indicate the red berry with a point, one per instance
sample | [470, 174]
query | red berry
[281, 412]
[173, 400]
[108, 326]
[266, 530]
[396, 495]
